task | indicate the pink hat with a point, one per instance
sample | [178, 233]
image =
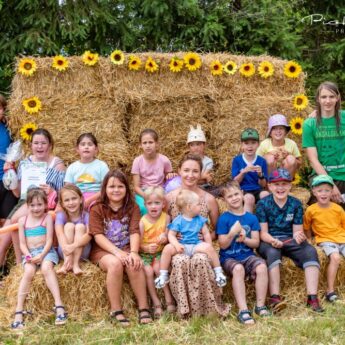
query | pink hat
[277, 120]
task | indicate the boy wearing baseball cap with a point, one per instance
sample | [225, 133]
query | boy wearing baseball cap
[281, 220]
[326, 221]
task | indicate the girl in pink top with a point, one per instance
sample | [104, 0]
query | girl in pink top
[149, 169]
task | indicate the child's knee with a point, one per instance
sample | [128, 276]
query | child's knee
[290, 161]
[335, 258]
[271, 161]
[81, 228]
[46, 267]
[261, 270]
[249, 199]
[69, 227]
[238, 271]
[148, 271]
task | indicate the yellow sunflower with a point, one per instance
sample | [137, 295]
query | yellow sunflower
[89, 58]
[32, 105]
[134, 63]
[27, 67]
[175, 65]
[230, 67]
[27, 130]
[151, 65]
[192, 61]
[292, 69]
[117, 57]
[60, 63]
[296, 125]
[216, 68]
[247, 69]
[266, 69]
[300, 102]
[297, 179]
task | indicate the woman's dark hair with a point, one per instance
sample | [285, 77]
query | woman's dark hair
[191, 157]
[3, 102]
[332, 87]
[128, 202]
[89, 136]
[149, 131]
[45, 133]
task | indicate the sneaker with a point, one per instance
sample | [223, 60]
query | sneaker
[314, 304]
[161, 281]
[221, 279]
[331, 297]
[277, 303]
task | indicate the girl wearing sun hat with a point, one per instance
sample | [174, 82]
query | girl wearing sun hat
[279, 151]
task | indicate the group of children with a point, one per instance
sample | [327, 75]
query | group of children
[261, 175]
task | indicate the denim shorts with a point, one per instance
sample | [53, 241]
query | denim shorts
[84, 254]
[50, 256]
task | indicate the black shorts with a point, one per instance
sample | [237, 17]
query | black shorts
[7, 201]
[303, 255]
[255, 193]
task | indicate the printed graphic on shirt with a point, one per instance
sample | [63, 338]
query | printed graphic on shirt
[117, 232]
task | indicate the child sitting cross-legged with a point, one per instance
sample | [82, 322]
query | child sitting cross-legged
[238, 233]
[281, 220]
[189, 224]
[326, 220]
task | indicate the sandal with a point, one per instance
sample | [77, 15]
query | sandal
[262, 311]
[18, 325]
[62, 318]
[114, 316]
[146, 316]
[157, 311]
[245, 317]
[331, 297]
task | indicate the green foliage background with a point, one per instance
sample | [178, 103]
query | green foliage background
[279, 28]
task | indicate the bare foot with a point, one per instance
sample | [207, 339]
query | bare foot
[171, 308]
[62, 270]
[77, 271]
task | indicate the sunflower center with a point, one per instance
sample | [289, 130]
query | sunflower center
[175, 64]
[298, 125]
[246, 68]
[90, 58]
[299, 101]
[150, 64]
[60, 62]
[292, 69]
[192, 61]
[28, 66]
[117, 57]
[29, 131]
[266, 69]
[134, 62]
[216, 67]
[230, 67]
[32, 104]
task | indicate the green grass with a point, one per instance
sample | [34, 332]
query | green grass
[304, 328]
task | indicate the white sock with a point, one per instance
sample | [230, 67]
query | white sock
[218, 270]
[164, 273]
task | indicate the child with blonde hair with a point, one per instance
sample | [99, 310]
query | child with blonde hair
[36, 240]
[189, 224]
[154, 235]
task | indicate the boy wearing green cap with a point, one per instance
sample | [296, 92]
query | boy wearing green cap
[326, 220]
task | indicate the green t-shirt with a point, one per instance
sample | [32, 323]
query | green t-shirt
[329, 143]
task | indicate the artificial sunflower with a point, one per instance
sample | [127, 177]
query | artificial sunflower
[117, 57]
[134, 63]
[300, 102]
[292, 69]
[32, 105]
[266, 69]
[175, 65]
[216, 68]
[151, 65]
[60, 63]
[89, 58]
[230, 67]
[27, 67]
[297, 179]
[247, 69]
[296, 125]
[27, 130]
[192, 61]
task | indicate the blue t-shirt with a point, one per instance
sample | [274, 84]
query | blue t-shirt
[5, 141]
[189, 229]
[280, 220]
[250, 180]
[237, 250]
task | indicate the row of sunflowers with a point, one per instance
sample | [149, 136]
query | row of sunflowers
[190, 61]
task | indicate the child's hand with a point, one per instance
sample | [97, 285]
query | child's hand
[170, 175]
[258, 169]
[299, 237]
[122, 256]
[134, 260]
[241, 236]
[283, 153]
[276, 243]
[47, 189]
[162, 239]
[236, 229]
[68, 249]
[179, 248]
[37, 259]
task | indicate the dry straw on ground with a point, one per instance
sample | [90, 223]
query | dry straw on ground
[116, 104]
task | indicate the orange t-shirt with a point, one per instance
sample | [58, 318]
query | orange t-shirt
[153, 230]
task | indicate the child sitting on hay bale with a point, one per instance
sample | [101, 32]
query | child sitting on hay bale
[281, 218]
[250, 169]
[326, 220]
[238, 233]
[154, 235]
[279, 151]
[149, 169]
[36, 239]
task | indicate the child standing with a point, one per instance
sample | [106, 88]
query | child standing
[196, 142]
[238, 233]
[36, 239]
[71, 225]
[250, 170]
[149, 169]
[281, 218]
[153, 230]
[279, 151]
[87, 173]
[326, 220]
[189, 224]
